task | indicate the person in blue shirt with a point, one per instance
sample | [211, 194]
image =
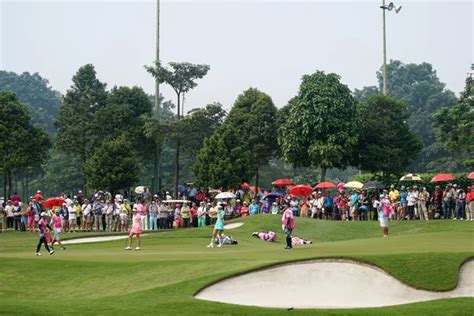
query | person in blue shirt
[353, 203]
[254, 209]
[328, 206]
[403, 203]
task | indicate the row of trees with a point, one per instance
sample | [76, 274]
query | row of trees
[106, 139]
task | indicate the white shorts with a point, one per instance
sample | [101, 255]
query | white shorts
[383, 221]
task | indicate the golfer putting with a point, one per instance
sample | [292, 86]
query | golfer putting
[218, 227]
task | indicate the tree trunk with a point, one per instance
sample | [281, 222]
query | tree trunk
[9, 183]
[176, 160]
[5, 186]
[27, 182]
[256, 182]
[323, 173]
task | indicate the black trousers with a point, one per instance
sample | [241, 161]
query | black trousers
[42, 240]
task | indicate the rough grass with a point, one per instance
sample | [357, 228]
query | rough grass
[102, 278]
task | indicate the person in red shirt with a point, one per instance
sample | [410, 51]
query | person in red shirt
[193, 214]
[38, 197]
[470, 203]
[244, 210]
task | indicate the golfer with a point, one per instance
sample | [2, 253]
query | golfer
[218, 227]
[42, 225]
[135, 230]
[384, 213]
[288, 224]
[58, 228]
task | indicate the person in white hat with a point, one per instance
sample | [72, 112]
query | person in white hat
[42, 226]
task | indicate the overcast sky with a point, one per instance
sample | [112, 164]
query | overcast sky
[264, 44]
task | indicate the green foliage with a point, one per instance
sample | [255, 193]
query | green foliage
[386, 143]
[456, 125]
[34, 91]
[113, 166]
[365, 93]
[420, 88]
[321, 127]
[223, 160]
[75, 123]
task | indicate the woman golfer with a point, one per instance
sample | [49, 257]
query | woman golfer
[218, 227]
[42, 225]
[135, 230]
[384, 213]
[288, 224]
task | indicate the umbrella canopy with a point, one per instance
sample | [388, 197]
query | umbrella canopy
[411, 177]
[373, 185]
[54, 201]
[353, 185]
[272, 195]
[244, 185]
[282, 182]
[443, 177]
[176, 201]
[325, 185]
[340, 185]
[301, 190]
[140, 189]
[226, 195]
[471, 175]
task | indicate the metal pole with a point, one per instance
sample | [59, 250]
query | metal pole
[384, 52]
[156, 181]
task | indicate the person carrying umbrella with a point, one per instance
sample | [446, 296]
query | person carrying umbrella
[288, 225]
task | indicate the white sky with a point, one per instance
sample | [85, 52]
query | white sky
[263, 44]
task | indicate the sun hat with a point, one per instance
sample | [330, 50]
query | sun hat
[43, 214]
[134, 209]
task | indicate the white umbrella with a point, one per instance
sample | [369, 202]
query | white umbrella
[140, 189]
[176, 201]
[226, 195]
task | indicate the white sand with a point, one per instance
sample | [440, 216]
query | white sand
[92, 239]
[327, 284]
[233, 225]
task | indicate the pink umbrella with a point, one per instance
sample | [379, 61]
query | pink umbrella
[471, 175]
[340, 185]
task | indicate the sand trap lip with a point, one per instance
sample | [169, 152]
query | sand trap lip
[233, 225]
[329, 283]
[86, 240]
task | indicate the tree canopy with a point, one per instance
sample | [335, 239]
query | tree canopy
[321, 127]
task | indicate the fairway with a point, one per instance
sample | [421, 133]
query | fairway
[102, 278]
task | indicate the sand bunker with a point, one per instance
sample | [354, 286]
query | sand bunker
[233, 225]
[327, 284]
[92, 239]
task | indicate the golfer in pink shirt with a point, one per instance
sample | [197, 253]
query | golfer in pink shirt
[288, 224]
[135, 230]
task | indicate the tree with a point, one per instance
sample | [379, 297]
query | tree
[455, 125]
[182, 78]
[255, 115]
[22, 144]
[113, 166]
[420, 88]
[75, 123]
[223, 160]
[34, 91]
[321, 128]
[386, 143]
[365, 93]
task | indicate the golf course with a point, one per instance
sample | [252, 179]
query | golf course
[173, 266]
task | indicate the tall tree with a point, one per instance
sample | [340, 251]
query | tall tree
[75, 123]
[386, 143]
[182, 78]
[321, 127]
[255, 115]
[21, 144]
[35, 92]
[455, 125]
[420, 88]
[113, 166]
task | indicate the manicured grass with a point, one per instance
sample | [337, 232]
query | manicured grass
[102, 278]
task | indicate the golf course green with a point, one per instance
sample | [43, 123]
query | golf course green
[102, 278]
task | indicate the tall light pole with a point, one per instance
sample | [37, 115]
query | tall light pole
[384, 7]
[156, 182]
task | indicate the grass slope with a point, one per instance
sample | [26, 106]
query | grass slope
[102, 278]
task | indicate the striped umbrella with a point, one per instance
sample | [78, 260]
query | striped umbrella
[411, 177]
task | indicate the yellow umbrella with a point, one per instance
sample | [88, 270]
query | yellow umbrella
[354, 185]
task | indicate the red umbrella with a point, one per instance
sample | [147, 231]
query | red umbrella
[443, 177]
[301, 190]
[282, 182]
[54, 201]
[244, 185]
[471, 175]
[254, 189]
[325, 185]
